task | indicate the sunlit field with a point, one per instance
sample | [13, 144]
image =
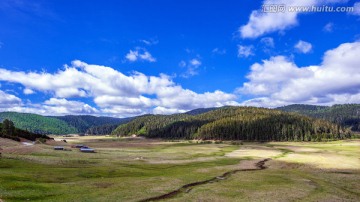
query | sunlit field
[135, 169]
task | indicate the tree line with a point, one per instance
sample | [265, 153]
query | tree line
[37, 123]
[8, 130]
[235, 123]
[70, 124]
[346, 115]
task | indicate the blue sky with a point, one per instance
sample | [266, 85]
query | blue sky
[125, 58]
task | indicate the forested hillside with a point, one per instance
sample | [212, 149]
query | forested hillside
[84, 122]
[347, 115]
[235, 123]
[37, 123]
[63, 124]
[8, 130]
[246, 123]
[147, 124]
[200, 111]
[106, 129]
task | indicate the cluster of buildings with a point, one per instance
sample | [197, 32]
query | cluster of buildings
[81, 147]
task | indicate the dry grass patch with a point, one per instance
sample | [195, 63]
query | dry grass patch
[323, 155]
[20, 150]
[8, 143]
[134, 169]
[323, 160]
[254, 152]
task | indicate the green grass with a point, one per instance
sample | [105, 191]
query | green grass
[131, 170]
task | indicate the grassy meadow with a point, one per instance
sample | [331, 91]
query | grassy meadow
[134, 169]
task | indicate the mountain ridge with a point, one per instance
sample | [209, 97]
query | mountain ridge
[69, 124]
[235, 123]
[346, 115]
[9, 131]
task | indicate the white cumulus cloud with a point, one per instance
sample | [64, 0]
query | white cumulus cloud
[140, 54]
[28, 91]
[163, 110]
[279, 81]
[8, 101]
[64, 106]
[303, 46]
[113, 92]
[51, 107]
[261, 23]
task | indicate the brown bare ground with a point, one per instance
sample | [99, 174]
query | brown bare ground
[8, 143]
[21, 149]
[13, 147]
[101, 142]
[248, 164]
[57, 143]
[115, 144]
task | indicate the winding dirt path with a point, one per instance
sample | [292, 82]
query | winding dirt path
[187, 187]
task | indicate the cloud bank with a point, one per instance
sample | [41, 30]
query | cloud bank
[82, 88]
[279, 81]
[113, 92]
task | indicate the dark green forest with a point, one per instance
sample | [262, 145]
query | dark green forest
[8, 130]
[105, 129]
[245, 123]
[37, 123]
[63, 124]
[347, 115]
[200, 111]
[91, 124]
[235, 123]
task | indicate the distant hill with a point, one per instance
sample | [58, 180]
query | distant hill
[347, 115]
[63, 124]
[207, 123]
[106, 129]
[200, 111]
[84, 122]
[148, 124]
[302, 108]
[234, 123]
[16, 133]
[37, 123]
